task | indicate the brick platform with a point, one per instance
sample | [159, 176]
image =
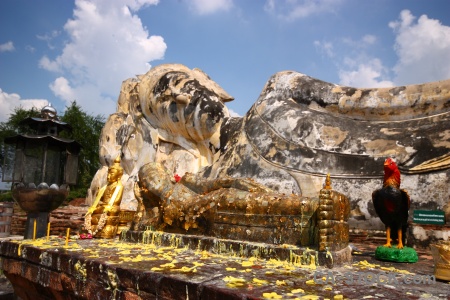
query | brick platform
[70, 216]
[105, 269]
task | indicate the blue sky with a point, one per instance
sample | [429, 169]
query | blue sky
[59, 51]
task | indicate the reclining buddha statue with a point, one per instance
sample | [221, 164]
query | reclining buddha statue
[254, 170]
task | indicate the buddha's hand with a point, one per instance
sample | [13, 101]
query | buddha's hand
[137, 192]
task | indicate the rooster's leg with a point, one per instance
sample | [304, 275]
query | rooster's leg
[388, 237]
[400, 243]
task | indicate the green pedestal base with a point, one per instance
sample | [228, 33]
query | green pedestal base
[406, 254]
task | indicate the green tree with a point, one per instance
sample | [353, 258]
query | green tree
[12, 126]
[86, 130]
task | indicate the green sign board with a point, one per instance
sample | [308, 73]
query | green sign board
[434, 217]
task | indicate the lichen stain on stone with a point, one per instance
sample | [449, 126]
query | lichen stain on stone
[332, 136]
[388, 131]
[444, 139]
[80, 270]
[382, 147]
[112, 279]
[46, 259]
[346, 102]
[272, 152]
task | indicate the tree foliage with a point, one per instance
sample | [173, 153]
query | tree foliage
[86, 130]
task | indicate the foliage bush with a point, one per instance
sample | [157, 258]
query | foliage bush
[6, 197]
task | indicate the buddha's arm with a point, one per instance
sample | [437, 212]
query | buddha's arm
[115, 199]
[201, 185]
[96, 201]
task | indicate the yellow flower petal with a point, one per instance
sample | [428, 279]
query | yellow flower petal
[260, 281]
[280, 282]
[247, 263]
[233, 279]
[272, 295]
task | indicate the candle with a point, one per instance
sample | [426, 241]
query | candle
[48, 230]
[34, 230]
[67, 237]
[313, 261]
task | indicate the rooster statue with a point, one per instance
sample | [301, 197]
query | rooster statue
[392, 205]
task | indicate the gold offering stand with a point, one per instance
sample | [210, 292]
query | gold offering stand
[441, 256]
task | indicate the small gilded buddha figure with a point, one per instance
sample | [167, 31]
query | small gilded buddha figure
[102, 218]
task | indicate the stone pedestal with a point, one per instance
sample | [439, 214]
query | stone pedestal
[41, 219]
[441, 257]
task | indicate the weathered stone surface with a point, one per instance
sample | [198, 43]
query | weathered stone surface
[105, 269]
[299, 129]
[423, 235]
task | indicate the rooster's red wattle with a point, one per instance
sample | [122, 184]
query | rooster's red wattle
[392, 204]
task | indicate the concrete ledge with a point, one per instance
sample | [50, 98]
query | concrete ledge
[329, 259]
[111, 269]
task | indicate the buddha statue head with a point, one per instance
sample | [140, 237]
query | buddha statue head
[115, 171]
[185, 105]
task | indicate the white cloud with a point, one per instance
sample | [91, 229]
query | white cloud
[10, 101]
[296, 9]
[368, 74]
[357, 69]
[204, 7]
[49, 65]
[61, 88]
[233, 113]
[136, 5]
[366, 41]
[30, 49]
[8, 46]
[369, 39]
[83, 95]
[325, 47]
[107, 44]
[423, 49]
[49, 38]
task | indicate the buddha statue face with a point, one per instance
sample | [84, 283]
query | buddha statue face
[113, 175]
[184, 103]
[154, 179]
[115, 172]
